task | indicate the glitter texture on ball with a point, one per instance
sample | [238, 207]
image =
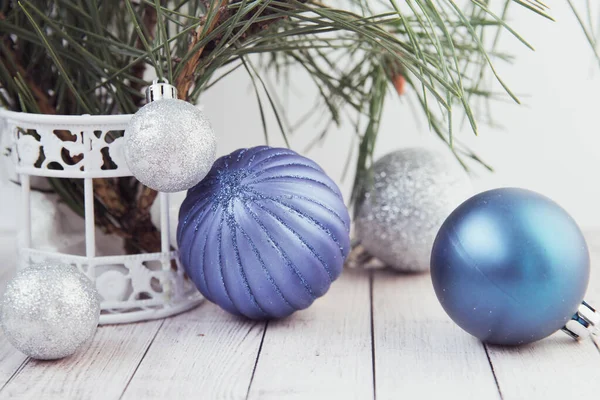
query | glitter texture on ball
[49, 311]
[169, 145]
[411, 193]
[265, 233]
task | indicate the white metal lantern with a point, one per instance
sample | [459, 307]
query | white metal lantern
[133, 287]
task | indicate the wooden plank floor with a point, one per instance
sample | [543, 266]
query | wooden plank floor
[375, 335]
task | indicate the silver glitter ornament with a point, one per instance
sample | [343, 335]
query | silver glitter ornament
[169, 143]
[411, 193]
[49, 310]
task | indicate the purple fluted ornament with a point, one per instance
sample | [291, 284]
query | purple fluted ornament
[265, 233]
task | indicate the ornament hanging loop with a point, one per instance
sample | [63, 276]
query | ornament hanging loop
[160, 90]
[584, 323]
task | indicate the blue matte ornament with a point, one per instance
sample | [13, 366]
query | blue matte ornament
[510, 267]
[264, 234]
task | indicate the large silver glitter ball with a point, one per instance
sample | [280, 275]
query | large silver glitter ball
[169, 145]
[49, 311]
[411, 193]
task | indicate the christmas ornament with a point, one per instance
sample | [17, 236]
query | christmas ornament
[49, 311]
[510, 267]
[265, 233]
[411, 192]
[169, 144]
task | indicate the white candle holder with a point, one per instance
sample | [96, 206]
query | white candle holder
[133, 287]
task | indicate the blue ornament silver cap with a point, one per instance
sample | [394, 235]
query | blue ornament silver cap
[506, 252]
[160, 90]
[584, 323]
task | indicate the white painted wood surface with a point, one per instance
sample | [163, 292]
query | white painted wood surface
[375, 335]
[205, 354]
[101, 371]
[419, 352]
[557, 367]
[10, 360]
[323, 352]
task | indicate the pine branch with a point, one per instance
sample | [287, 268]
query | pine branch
[111, 207]
[67, 57]
[149, 20]
[587, 27]
[185, 79]
[15, 68]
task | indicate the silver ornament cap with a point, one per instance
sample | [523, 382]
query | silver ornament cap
[49, 311]
[411, 193]
[169, 143]
[159, 91]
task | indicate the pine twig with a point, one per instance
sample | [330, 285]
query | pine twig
[14, 65]
[185, 80]
[149, 19]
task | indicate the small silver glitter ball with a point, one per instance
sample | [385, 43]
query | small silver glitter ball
[169, 145]
[49, 311]
[411, 193]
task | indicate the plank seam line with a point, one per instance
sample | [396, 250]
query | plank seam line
[487, 354]
[262, 340]
[372, 335]
[596, 344]
[142, 358]
[14, 374]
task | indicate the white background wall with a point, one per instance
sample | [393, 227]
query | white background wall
[550, 144]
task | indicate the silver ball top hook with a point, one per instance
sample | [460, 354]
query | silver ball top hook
[160, 90]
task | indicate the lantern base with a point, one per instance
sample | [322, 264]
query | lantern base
[145, 315]
[133, 288]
